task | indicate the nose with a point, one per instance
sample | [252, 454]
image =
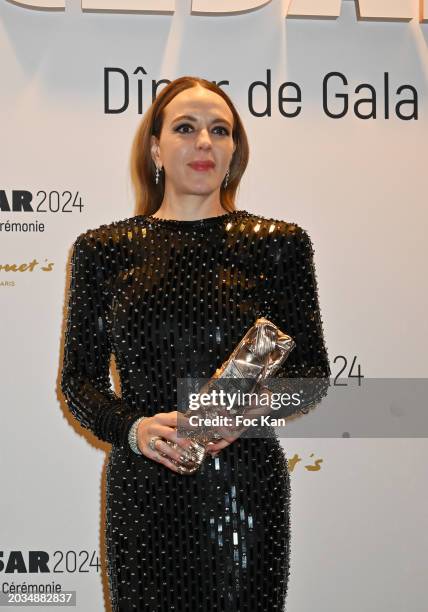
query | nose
[203, 140]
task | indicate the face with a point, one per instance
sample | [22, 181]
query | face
[195, 147]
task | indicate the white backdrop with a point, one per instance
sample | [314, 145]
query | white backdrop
[358, 186]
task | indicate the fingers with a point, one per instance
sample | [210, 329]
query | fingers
[165, 426]
[176, 460]
[218, 446]
[178, 455]
[215, 447]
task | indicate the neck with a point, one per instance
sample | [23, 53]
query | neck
[190, 206]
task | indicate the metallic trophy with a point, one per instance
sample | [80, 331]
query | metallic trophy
[256, 357]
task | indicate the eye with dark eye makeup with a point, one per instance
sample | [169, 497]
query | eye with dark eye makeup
[224, 131]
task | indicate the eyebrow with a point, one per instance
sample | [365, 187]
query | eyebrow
[192, 118]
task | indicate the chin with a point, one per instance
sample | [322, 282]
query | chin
[202, 189]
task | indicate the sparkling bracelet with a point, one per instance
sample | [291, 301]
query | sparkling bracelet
[132, 436]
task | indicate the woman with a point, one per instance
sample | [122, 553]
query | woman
[170, 292]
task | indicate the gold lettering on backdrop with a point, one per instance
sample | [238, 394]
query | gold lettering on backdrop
[380, 10]
[26, 267]
[316, 466]
[295, 459]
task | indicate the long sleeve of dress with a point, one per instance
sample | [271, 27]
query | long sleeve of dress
[294, 308]
[85, 380]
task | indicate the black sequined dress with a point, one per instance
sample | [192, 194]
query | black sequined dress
[171, 298]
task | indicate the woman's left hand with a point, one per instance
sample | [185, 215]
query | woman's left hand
[253, 410]
[213, 448]
[216, 446]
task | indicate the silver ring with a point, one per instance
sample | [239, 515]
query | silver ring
[152, 442]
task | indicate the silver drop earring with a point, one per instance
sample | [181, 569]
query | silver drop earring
[226, 178]
[157, 175]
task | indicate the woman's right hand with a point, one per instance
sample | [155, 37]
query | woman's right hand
[164, 425]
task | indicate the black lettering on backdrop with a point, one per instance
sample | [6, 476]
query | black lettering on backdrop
[329, 93]
[337, 100]
[37, 562]
[21, 201]
[282, 99]
[267, 87]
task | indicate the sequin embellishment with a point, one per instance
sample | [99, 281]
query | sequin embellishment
[171, 299]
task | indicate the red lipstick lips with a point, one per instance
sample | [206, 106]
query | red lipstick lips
[202, 165]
